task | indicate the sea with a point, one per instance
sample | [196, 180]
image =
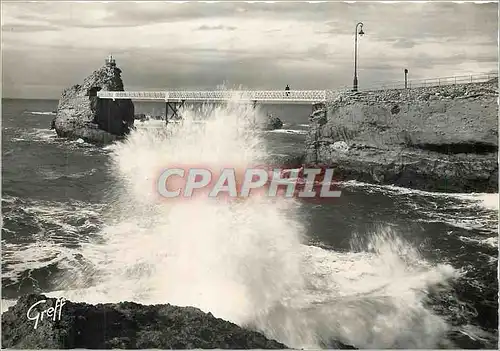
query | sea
[378, 267]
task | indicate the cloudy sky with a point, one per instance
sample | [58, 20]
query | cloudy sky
[48, 46]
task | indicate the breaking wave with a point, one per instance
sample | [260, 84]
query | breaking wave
[248, 261]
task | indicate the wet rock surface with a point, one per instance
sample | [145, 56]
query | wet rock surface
[435, 138]
[123, 325]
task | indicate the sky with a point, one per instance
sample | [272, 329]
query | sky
[48, 46]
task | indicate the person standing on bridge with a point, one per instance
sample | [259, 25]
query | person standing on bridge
[287, 89]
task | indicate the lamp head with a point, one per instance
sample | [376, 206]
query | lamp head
[361, 32]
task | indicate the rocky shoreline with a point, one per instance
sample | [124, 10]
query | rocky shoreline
[125, 325]
[435, 139]
[62, 324]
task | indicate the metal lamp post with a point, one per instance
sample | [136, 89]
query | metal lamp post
[355, 82]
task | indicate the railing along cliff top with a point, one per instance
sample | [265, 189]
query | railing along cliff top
[430, 82]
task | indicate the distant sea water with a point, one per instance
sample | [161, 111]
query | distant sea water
[379, 267]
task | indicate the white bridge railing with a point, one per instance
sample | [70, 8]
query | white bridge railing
[269, 96]
[287, 97]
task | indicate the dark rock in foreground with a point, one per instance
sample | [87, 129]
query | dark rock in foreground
[435, 139]
[81, 114]
[124, 325]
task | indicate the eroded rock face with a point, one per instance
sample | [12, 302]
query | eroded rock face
[124, 325]
[81, 114]
[436, 139]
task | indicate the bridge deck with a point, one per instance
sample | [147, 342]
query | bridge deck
[262, 96]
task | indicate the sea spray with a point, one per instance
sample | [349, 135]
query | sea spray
[237, 261]
[246, 261]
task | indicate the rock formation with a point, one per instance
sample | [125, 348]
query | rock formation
[123, 325]
[272, 123]
[81, 114]
[436, 139]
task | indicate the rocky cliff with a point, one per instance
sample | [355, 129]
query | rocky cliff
[81, 114]
[123, 325]
[436, 139]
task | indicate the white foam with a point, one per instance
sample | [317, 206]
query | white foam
[60, 229]
[288, 131]
[53, 175]
[6, 304]
[487, 200]
[36, 134]
[150, 123]
[471, 211]
[42, 113]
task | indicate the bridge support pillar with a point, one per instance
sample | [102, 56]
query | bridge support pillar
[173, 106]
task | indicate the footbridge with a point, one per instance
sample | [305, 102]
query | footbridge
[260, 96]
[174, 100]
